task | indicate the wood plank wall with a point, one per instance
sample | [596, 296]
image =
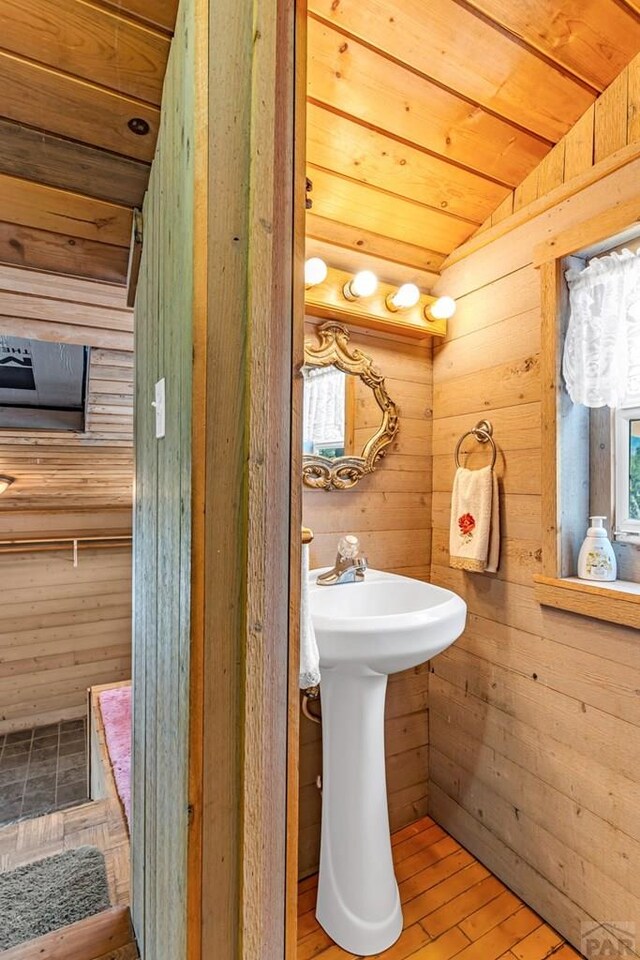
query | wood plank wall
[608, 125]
[534, 713]
[162, 548]
[60, 469]
[390, 512]
[62, 629]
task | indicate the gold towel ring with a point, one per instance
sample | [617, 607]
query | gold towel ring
[483, 432]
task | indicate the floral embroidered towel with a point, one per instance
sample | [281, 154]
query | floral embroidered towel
[474, 539]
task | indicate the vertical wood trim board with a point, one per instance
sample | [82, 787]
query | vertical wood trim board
[162, 547]
[247, 417]
[535, 727]
[293, 724]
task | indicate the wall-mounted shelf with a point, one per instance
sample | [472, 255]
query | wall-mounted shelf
[326, 300]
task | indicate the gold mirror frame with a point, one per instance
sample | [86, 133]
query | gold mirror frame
[340, 473]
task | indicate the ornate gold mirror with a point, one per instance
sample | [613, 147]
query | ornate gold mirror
[349, 418]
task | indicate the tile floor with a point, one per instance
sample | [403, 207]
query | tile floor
[453, 907]
[42, 769]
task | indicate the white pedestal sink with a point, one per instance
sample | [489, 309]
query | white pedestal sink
[366, 631]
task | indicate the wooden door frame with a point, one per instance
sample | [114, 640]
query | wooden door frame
[246, 505]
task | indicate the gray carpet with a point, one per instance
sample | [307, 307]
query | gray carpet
[48, 894]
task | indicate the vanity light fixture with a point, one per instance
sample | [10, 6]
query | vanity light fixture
[315, 272]
[443, 309]
[364, 284]
[404, 298]
[5, 483]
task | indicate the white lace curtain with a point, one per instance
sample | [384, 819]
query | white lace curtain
[601, 362]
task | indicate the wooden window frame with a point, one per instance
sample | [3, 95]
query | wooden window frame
[565, 436]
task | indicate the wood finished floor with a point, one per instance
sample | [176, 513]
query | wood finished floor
[453, 908]
[97, 823]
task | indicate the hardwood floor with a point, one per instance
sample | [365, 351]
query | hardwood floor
[97, 823]
[453, 908]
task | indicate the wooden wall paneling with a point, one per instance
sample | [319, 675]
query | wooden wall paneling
[531, 702]
[77, 469]
[63, 629]
[610, 119]
[297, 351]
[244, 536]
[578, 145]
[390, 512]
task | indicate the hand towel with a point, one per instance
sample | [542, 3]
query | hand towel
[309, 654]
[474, 539]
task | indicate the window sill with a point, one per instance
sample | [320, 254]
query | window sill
[617, 602]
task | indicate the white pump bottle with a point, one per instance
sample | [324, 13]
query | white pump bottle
[596, 560]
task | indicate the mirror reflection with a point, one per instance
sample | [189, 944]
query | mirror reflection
[329, 414]
[348, 417]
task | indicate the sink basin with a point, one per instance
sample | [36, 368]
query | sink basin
[365, 631]
[384, 623]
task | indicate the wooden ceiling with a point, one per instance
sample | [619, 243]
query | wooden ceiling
[424, 115]
[81, 86]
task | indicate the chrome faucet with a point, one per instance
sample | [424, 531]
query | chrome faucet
[349, 567]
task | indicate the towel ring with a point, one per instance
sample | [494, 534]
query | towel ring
[483, 432]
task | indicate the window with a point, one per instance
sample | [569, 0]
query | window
[43, 385]
[626, 470]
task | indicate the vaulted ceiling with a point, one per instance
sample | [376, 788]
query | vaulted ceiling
[81, 86]
[423, 115]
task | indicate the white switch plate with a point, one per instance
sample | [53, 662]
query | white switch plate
[159, 406]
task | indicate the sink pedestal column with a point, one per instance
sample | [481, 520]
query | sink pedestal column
[358, 899]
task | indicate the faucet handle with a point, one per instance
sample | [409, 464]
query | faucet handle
[348, 547]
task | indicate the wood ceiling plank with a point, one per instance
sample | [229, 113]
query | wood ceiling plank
[355, 151]
[449, 44]
[346, 258]
[43, 98]
[60, 211]
[33, 155]
[61, 254]
[350, 77]
[365, 241]
[595, 39]
[158, 13]
[348, 201]
[88, 42]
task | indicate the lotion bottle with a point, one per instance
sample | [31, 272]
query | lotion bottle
[596, 560]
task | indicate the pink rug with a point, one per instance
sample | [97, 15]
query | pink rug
[115, 706]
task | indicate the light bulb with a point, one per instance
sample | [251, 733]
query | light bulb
[404, 298]
[5, 482]
[443, 309]
[364, 284]
[315, 271]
